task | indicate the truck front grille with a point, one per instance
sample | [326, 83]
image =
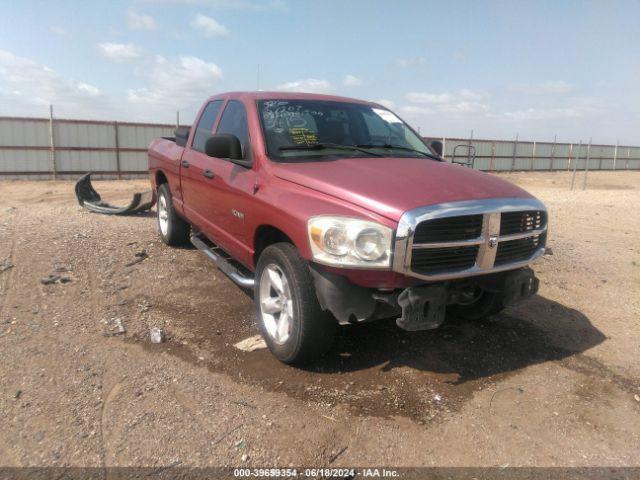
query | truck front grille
[511, 251]
[433, 260]
[436, 243]
[446, 229]
[518, 222]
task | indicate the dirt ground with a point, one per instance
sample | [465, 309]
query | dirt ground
[552, 382]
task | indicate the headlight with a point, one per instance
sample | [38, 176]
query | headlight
[349, 242]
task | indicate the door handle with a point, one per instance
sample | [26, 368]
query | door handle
[184, 163]
[208, 173]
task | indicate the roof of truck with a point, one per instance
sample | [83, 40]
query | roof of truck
[260, 95]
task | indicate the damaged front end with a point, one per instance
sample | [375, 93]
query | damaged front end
[423, 307]
[90, 199]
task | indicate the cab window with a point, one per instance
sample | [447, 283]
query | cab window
[205, 124]
[234, 121]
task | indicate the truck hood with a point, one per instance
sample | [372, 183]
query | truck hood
[389, 186]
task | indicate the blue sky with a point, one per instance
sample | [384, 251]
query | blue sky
[537, 68]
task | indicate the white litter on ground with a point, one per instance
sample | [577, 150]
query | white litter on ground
[250, 344]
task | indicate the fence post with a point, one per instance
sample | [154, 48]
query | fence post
[586, 166]
[493, 156]
[615, 155]
[533, 155]
[569, 159]
[575, 165]
[52, 145]
[553, 152]
[469, 149]
[626, 166]
[515, 148]
[444, 148]
[118, 171]
[177, 119]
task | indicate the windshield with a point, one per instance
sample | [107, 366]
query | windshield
[297, 130]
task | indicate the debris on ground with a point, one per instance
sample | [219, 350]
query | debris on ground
[90, 199]
[156, 335]
[54, 278]
[5, 265]
[548, 251]
[250, 344]
[140, 256]
[636, 398]
[120, 326]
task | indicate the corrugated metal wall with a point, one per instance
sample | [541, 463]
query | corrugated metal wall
[501, 155]
[111, 149]
[119, 150]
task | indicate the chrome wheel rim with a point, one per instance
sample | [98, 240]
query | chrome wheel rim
[163, 215]
[276, 303]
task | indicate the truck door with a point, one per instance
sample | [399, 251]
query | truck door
[236, 184]
[197, 179]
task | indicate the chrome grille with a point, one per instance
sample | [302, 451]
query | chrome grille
[464, 227]
[518, 250]
[433, 260]
[518, 222]
[459, 239]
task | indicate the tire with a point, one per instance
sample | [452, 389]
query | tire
[489, 303]
[308, 331]
[173, 229]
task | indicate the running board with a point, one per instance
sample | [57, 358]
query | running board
[222, 263]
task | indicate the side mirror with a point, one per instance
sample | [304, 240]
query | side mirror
[223, 145]
[436, 146]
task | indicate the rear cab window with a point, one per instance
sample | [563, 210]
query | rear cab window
[234, 122]
[205, 124]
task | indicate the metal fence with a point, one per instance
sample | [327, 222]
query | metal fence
[48, 148]
[510, 155]
[58, 148]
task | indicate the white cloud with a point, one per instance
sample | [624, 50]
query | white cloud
[182, 83]
[140, 21]
[309, 85]
[545, 88]
[27, 88]
[417, 110]
[549, 113]
[425, 97]
[249, 5]
[409, 62]
[57, 30]
[120, 52]
[208, 26]
[444, 98]
[463, 101]
[390, 104]
[351, 81]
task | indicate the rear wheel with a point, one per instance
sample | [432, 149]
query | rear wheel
[173, 229]
[293, 324]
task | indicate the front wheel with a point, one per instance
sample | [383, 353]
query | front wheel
[477, 304]
[293, 324]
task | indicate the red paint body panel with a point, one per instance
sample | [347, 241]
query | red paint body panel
[286, 195]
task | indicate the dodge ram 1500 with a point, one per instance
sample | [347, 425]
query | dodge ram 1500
[335, 211]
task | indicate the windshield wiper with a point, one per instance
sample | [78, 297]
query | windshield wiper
[397, 147]
[323, 146]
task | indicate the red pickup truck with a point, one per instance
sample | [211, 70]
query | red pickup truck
[335, 211]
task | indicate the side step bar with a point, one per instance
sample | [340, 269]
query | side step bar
[222, 263]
